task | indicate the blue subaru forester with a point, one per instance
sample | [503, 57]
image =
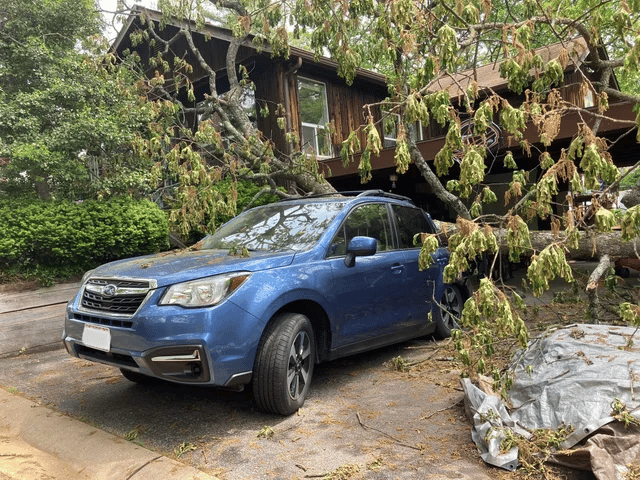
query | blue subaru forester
[269, 294]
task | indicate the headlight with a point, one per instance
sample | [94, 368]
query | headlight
[204, 292]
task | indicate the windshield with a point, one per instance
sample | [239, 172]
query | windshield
[276, 227]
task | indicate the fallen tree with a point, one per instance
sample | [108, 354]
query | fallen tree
[415, 44]
[590, 245]
[607, 248]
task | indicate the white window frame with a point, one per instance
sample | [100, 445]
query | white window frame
[316, 127]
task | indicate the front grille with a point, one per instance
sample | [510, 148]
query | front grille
[114, 296]
[102, 321]
[126, 305]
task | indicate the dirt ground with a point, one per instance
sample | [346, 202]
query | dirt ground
[363, 419]
[361, 415]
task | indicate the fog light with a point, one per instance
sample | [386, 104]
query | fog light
[193, 369]
[180, 363]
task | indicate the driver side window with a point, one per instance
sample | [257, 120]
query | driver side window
[366, 221]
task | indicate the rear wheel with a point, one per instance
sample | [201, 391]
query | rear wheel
[622, 272]
[450, 311]
[284, 364]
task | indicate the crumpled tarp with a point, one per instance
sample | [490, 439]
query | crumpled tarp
[568, 378]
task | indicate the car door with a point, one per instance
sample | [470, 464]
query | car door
[419, 285]
[368, 296]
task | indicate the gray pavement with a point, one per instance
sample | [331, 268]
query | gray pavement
[40, 437]
[389, 424]
[31, 320]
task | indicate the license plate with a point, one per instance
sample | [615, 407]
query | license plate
[96, 337]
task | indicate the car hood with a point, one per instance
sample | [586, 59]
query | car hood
[180, 266]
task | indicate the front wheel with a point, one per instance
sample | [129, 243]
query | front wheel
[284, 364]
[449, 311]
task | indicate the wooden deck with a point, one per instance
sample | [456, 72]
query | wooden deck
[33, 319]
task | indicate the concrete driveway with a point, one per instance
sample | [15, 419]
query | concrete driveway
[361, 416]
[362, 420]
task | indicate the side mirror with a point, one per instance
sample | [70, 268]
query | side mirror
[360, 247]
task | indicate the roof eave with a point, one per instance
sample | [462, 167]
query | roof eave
[226, 35]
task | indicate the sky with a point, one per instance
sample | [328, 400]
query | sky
[109, 7]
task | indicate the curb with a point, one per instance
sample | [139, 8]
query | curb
[89, 451]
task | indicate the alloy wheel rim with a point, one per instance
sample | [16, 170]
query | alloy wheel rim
[299, 365]
[452, 308]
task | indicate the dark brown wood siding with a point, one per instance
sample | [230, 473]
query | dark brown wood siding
[269, 82]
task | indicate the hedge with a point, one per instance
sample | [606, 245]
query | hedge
[45, 235]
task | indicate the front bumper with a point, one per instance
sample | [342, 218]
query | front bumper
[178, 363]
[213, 346]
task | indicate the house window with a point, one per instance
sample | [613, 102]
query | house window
[314, 117]
[589, 100]
[390, 128]
[419, 134]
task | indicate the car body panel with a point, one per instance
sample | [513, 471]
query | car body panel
[363, 312]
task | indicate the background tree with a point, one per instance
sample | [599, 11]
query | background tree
[67, 115]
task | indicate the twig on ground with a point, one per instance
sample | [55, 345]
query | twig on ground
[367, 427]
[297, 424]
[426, 417]
[424, 360]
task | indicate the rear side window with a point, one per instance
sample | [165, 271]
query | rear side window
[367, 221]
[410, 221]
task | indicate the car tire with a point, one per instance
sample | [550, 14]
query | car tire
[622, 272]
[284, 364]
[449, 311]
[139, 378]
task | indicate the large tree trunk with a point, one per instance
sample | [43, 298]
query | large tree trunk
[606, 248]
[436, 185]
[632, 197]
[591, 246]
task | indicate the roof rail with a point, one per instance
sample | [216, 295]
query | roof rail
[353, 193]
[313, 195]
[382, 193]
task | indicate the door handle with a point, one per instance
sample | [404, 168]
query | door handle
[397, 268]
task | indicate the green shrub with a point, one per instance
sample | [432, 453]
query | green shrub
[39, 239]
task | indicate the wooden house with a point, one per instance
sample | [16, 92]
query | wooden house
[308, 88]
[625, 151]
[313, 95]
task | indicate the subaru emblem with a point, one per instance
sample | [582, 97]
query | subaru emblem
[109, 290]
